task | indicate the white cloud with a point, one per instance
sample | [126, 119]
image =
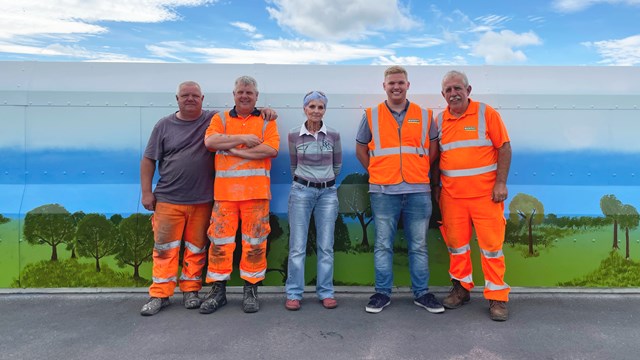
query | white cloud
[72, 51]
[498, 48]
[279, 51]
[618, 52]
[579, 5]
[493, 20]
[414, 60]
[249, 29]
[38, 17]
[417, 42]
[340, 19]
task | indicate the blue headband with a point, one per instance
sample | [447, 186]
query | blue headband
[315, 95]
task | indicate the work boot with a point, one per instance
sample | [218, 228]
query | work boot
[215, 298]
[191, 300]
[250, 301]
[154, 305]
[498, 310]
[457, 297]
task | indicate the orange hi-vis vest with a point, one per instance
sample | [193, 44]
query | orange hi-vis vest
[466, 151]
[402, 153]
[239, 179]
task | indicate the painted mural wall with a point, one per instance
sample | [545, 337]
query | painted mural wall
[71, 137]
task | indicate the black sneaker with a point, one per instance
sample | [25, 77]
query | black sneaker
[377, 302]
[191, 300]
[154, 305]
[250, 301]
[215, 299]
[430, 303]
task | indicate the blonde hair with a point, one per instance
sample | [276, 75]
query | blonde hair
[396, 69]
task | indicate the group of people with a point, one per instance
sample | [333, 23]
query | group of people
[461, 155]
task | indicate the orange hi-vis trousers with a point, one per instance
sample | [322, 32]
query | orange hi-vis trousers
[487, 217]
[172, 224]
[254, 216]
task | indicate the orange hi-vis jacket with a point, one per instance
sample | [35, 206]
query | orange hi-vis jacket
[398, 154]
[239, 179]
[468, 150]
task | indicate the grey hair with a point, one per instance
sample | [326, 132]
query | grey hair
[188, 83]
[453, 73]
[247, 80]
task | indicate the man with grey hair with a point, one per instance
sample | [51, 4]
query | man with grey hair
[475, 156]
[244, 144]
[181, 200]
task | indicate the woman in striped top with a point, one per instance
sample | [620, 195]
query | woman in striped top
[315, 152]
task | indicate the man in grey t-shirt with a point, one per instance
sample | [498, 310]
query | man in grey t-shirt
[182, 198]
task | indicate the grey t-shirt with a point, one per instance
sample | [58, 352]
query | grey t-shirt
[185, 165]
[364, 136]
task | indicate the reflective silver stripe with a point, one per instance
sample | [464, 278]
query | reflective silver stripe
[252, 240]
[494, 287]
[426, 120]
[222, 241]
[465, 143]
[183, 277]
[396, 151]
[492, 254]
[224, 120]
[194, 249]
[158, 280]
[460, 250]
[242, 173]
[374, 127]
[218, 276]
[167, 246]
[469, 172]
[466, 279]
[258, 274]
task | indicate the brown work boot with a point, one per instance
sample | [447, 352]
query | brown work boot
[457, 297]
[498, 310]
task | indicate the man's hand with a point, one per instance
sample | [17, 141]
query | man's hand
[500, 192]
[268, 114]
[251, 140]
[149, 201]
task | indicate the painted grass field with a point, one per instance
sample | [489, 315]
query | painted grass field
[567, 259]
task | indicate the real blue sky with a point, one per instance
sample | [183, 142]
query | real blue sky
[465, 32]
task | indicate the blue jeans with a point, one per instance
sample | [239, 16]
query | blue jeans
[416, 211]
[323, 203]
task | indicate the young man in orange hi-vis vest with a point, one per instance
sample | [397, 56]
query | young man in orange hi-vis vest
[397, 143]
[244, 144]
[181, 200]
[475, 155]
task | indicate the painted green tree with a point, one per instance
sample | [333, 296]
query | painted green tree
[49, 224]
[96, 238]
[353, 194]
[3, 219]
[135, 242]
[612, 209]
[529, 209]
[71, 245]
[628, 220]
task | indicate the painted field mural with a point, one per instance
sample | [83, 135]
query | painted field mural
[73, 134]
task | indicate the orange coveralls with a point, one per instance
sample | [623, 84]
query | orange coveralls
[468, 163]
[241, 192]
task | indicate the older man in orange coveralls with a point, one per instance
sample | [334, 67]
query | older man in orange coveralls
[475, 155]
[244, 144]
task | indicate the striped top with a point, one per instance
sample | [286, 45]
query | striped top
[315, 158]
